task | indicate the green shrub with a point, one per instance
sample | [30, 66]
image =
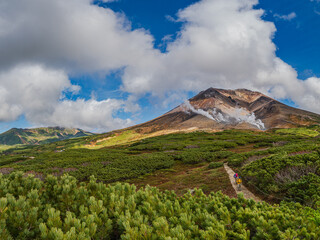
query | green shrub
[263, 144]
[63, 208]
[215, 165]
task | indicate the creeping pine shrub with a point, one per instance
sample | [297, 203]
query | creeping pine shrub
[213, 165]
[190, 157]
[290, 176]
[236, 160]
[263, 144]
[195, 156]
[64, 209]
[241, 142]
[222, 154]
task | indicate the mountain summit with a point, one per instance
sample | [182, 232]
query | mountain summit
[226, 109]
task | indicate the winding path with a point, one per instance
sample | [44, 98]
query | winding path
[246, 193]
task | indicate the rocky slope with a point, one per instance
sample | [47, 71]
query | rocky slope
[218, 109]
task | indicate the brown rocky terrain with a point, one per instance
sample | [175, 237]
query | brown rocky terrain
[217, 109]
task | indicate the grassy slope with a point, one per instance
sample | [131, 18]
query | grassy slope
[176, 161]
[183, 177]
[299, 131]
[6, 147]
[121, 138]
[17, 136]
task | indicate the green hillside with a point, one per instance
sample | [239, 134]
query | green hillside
[43, 135]
[280, 166]
[275, 164]
[65, 209]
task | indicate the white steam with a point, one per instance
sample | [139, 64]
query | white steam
[242, 115]
[186, 106]
[231, 116]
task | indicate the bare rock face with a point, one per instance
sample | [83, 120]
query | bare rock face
[218, 109]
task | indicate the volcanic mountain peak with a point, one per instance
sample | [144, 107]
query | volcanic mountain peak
[238, 94]
[217, 109]
[229, 107]
[242, 94]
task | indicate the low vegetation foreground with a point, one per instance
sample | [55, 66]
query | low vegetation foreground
[48, 192]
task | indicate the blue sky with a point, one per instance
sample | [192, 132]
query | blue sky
[123, 62]
[297, 40]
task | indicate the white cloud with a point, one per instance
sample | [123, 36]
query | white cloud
[170, 18]
[73, 35]
[92, 115]
[311, 99]
[30, 89]
[288, 17]
[42, 42]
[37, 92]
[222, 44]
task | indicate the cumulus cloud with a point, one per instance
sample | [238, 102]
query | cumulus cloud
[38, 93]
[288, 17]
[93, 115]
[31, 89]
[43, 42]
[74, 35]
[222, 44]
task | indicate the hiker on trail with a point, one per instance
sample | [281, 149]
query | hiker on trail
[235, 177]
[239, 183]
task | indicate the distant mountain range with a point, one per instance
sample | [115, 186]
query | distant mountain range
[218, 109]
[42, 135]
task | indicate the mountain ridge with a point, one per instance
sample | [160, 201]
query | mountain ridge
[34, 136]
[219, 109]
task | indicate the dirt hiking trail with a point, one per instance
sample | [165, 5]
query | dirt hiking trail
[246, 193]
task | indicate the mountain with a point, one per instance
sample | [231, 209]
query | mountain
[39, 135]
[227, 109]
